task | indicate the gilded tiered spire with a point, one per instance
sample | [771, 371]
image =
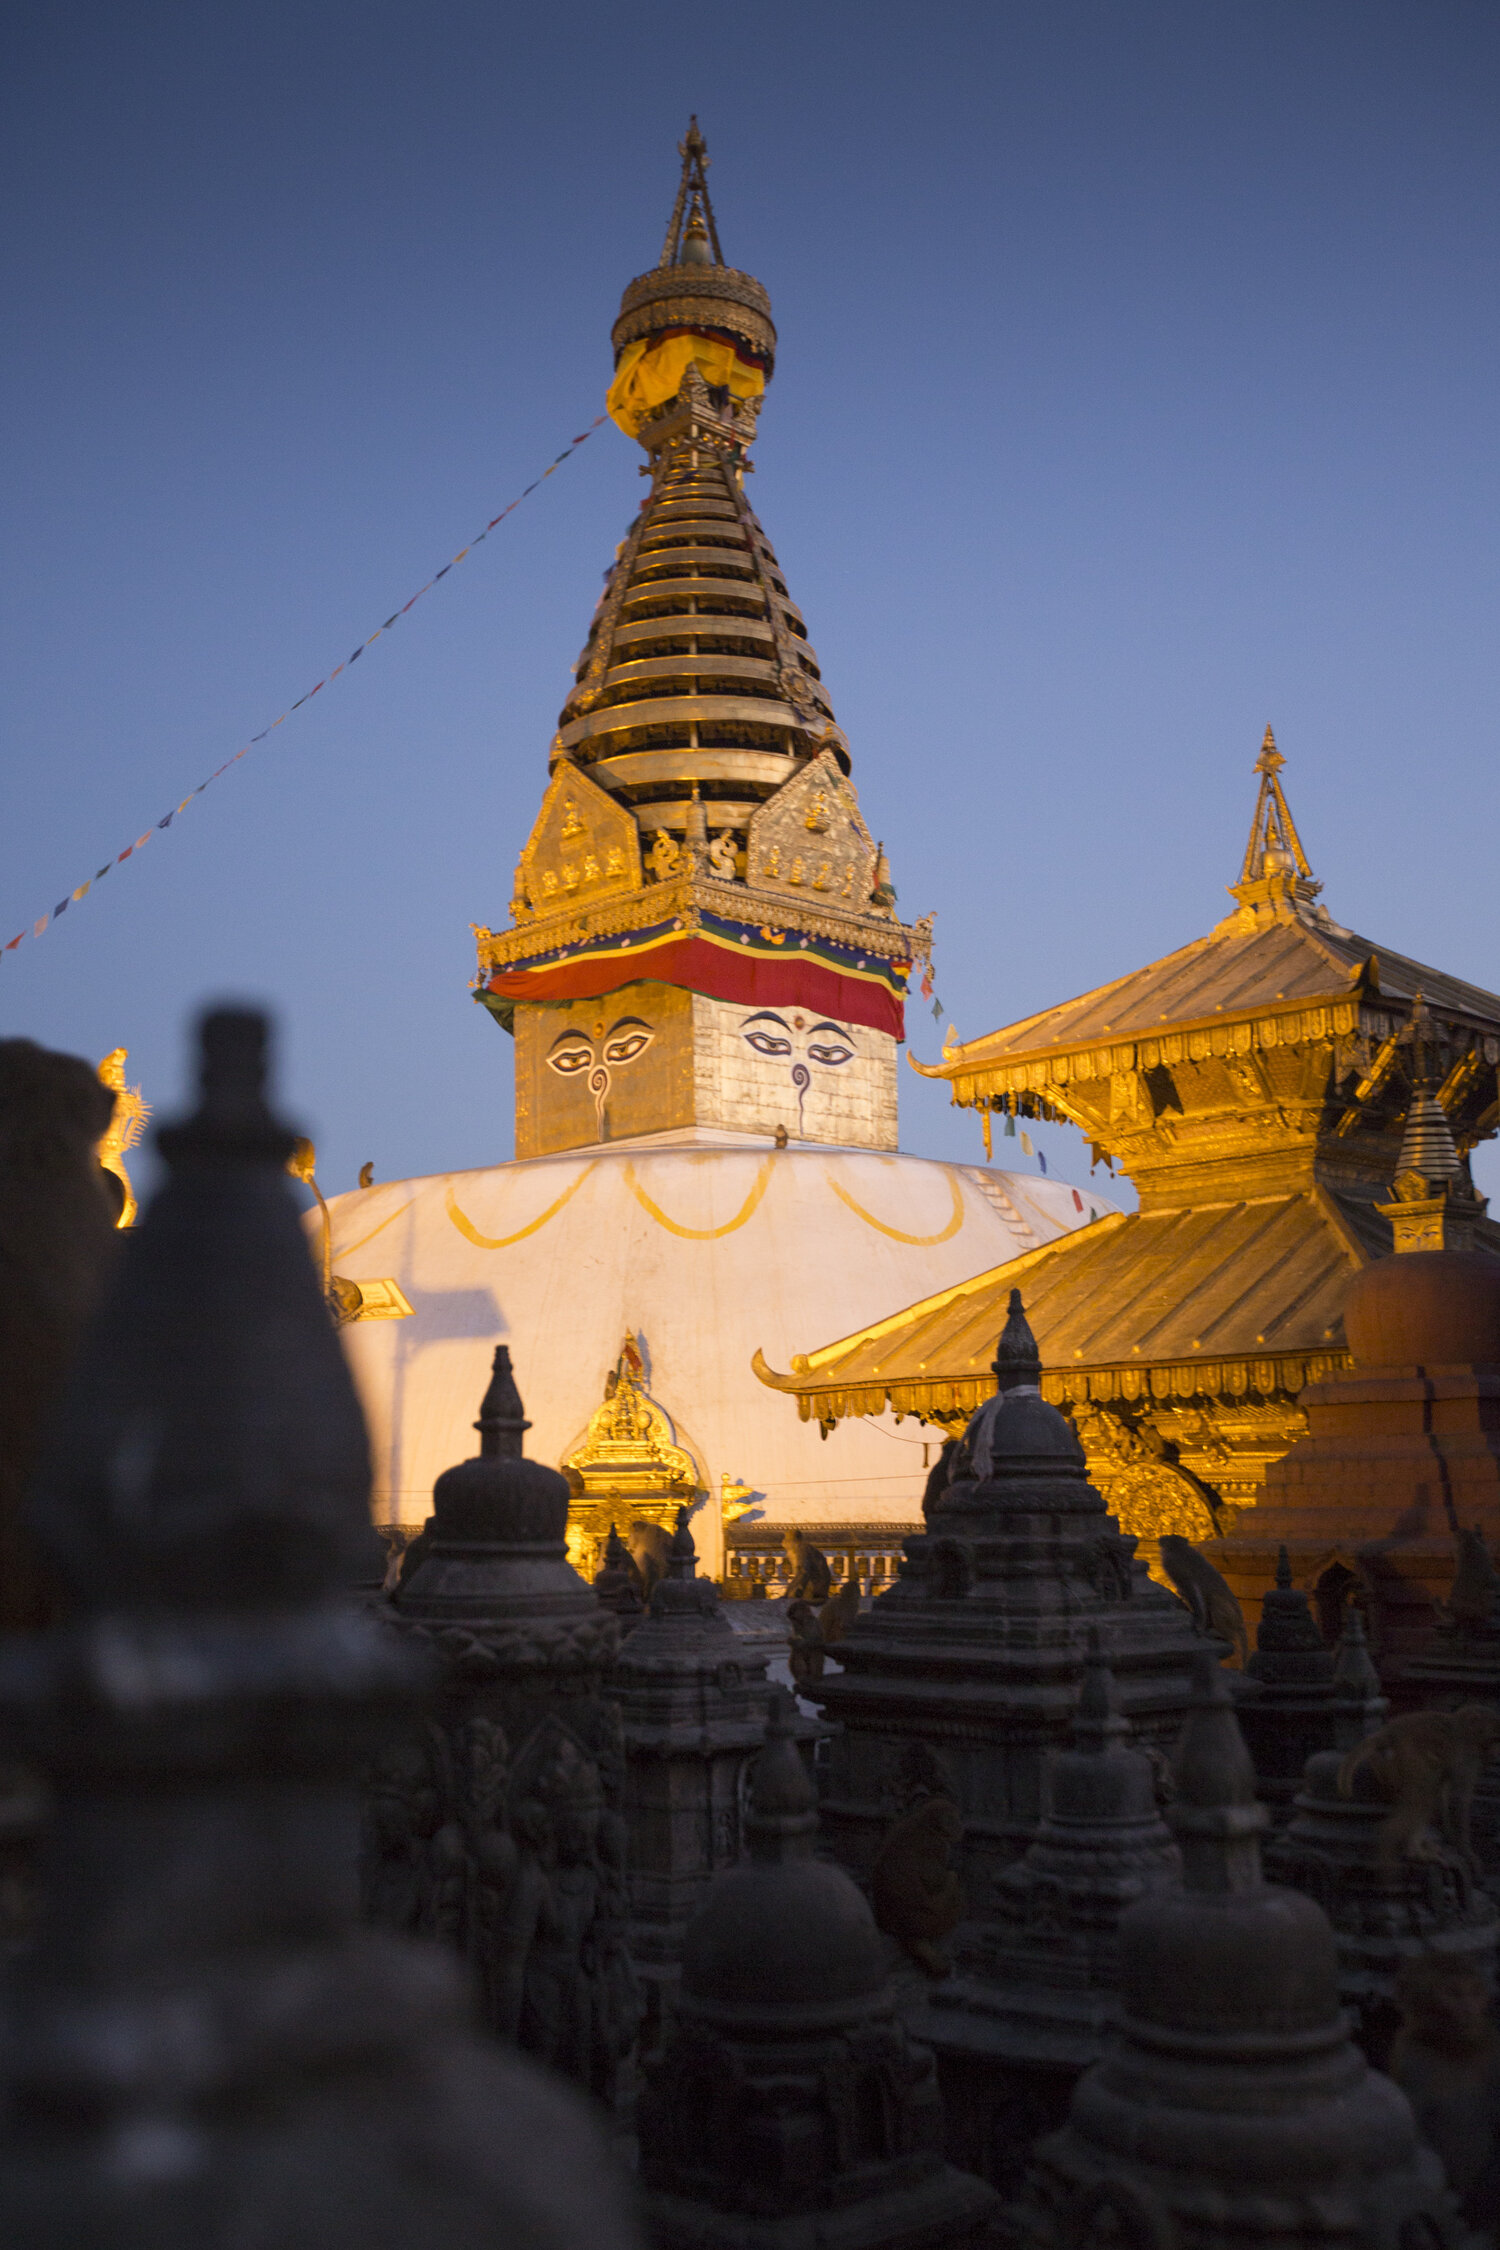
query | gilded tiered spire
[1276, 876]
[700, 830]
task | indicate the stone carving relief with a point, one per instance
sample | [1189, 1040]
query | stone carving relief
[518, 1864]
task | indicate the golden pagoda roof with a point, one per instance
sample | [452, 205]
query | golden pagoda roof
[1237, 972]
[1276, 956]
[1277, 973]
[1256, 1085]
[1241, 1297]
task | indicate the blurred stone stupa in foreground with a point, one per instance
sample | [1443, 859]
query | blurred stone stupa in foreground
[202, 2050]
[705, 975]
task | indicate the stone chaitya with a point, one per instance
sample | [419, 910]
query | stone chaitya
[978, 1650]
[498, 1825]
[204, 2051]
[1386, 1908]
[1233, 2108]
[692, 1695]
[791, 2107]
[1032, 2002]
[1299, 1696]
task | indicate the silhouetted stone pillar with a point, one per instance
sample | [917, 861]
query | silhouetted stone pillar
[1385, 1911]
[499, 1827]
[1292, 1702]
[1234, 2107]
[693, 1700]
[1033, 2000]
[978, 1649]
[205, 2051]
[791, 2107]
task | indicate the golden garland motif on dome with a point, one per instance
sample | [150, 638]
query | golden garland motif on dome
[746, 1210]
[915, 1241]
[471, 1233]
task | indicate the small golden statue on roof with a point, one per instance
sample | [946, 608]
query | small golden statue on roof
[125, 1127]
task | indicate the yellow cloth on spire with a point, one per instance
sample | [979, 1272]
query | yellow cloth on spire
[651, 371]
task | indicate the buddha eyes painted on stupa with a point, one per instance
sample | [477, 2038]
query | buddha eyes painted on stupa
[571, 1053]
[627, 1039]
[574, 1051]
[828, 1044]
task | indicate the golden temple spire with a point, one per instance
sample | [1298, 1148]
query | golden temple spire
[700, 840]
[1276, 874]
[692, 219]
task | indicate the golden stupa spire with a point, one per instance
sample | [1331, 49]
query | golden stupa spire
[692, 217]
[1275, 877]
[700, 840]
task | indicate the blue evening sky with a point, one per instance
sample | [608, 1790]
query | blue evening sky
[1137, 386]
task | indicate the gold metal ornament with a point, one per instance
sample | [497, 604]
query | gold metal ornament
[126, 1125]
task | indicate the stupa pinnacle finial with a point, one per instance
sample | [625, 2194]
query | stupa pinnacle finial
[1275, 874]
[1017, 1362]
[692, 220]
[692, 325]
[502, 1423]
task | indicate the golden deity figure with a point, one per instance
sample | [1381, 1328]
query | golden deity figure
[125, 1127]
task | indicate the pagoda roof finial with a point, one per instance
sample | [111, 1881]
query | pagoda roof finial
[692, 219]
[1275, 870]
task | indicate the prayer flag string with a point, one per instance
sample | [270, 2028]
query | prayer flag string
[45, 921]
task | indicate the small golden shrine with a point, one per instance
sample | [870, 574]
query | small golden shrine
[1262, 1088]
[629, 1467]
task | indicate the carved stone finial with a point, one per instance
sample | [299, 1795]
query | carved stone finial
[232, 1123]
[1099, 1721]
[1215, 1815]
[502, 1423]
[1354, 1673]
[783, 1819]
[682, 1555]
[1017, 1363]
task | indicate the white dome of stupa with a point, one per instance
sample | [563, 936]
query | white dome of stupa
[703, 1251]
